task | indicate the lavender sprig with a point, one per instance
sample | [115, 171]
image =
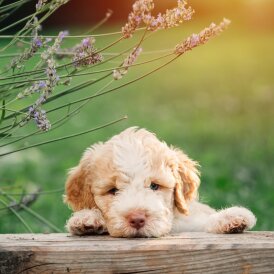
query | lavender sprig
[85, 53]
[120, 72]
[141, 12]
[45, 88]
[36, 44]
[51, 50]
[40, 118]
[57, 3]
[40, 4]
[37, 87]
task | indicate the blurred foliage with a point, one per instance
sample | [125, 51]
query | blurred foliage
[216, 104]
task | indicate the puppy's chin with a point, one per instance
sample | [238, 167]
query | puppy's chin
[132, 234]
[136, 234]
[147, 231]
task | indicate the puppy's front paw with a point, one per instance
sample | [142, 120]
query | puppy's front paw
[86, 222]
[231, 220]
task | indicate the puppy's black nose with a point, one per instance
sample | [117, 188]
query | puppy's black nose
[136, 219]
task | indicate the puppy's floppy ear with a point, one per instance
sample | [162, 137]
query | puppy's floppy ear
[78, 186]
[187, 181]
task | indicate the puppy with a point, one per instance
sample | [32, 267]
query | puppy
[137, 186]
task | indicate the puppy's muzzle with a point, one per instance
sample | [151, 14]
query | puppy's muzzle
[136, 219]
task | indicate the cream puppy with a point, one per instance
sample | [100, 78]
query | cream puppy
[137, 186]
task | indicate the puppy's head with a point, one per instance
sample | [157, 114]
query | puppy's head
[136, 181]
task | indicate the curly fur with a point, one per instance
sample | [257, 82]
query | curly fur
[130, 162]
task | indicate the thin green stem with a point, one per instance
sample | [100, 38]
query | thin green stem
[66, 92]
[100, 23]
[17, 215]
[41, 219]
[70, 63]
[3, 112]
[23, 74]
[13, 5]
[63, 119]
[64, 138]
[91, 72]
[71, 53]
[15, 23]
[10, 102]
[13, 110]
[84, 84]
[27, 30]
[4, 16]
[46, 192]
[71, 36]
[17, 35]
[33, 213]
[114, 89]
[8, 128]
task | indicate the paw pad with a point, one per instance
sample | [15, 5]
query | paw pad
[236, 228]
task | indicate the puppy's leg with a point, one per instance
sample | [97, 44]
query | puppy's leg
[231, 220]
[195, 221]
[86, 222]
[205, 219]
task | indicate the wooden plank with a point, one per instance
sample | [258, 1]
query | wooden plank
[251, 252]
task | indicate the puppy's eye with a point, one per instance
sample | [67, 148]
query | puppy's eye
[154, 186]
[113, 191]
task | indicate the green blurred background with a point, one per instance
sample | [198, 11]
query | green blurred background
[216, 103]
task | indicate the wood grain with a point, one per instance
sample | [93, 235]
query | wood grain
[251, 252]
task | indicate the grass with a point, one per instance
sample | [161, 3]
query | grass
[215, 102]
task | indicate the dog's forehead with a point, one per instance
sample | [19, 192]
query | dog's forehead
[136, 153]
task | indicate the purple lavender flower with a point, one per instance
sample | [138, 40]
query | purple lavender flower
[86, 42]
[178, 12]
[40, 118]
[48, 40]
[118, 73]
[42, 84]
[86, 54]
[51, 72]
[138, 19]
[51, 50]
[18, 62]
[37, 87]
[37, 42]
[31, 109]
[40, 4]
[194, 40]
[41, 100]
[63, 34]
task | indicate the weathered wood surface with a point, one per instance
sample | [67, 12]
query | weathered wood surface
[251, 252]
